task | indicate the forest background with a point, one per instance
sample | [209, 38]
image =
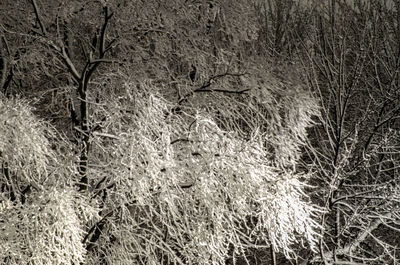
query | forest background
[200, 132]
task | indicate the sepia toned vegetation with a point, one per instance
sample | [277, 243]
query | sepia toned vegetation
[199, 132]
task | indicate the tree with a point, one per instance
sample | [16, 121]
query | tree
[347, 51]
[361, 116]
[351, 65]
[154, 136]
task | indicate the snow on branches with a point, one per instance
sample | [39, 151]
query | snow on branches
[187, 191]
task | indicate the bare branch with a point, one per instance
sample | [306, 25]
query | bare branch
[70, 65]
[110, 45]
[208, 83]
[355, 195]
[95, 61]
[6, 44]
[224, 91]
[353, 245]
[180, 140]
[107, 17]
[216, 77]
[3, 64]
[37, 14]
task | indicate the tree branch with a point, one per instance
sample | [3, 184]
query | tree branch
[102, 50]
[352, 246]
[87, 72]
[3, 67]
[107, 17]
[70, 65]
[208, 83]
[224, 91]
[5, 79]
[215, 77]
[355, 195]
[95, 61]
[38, 18]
